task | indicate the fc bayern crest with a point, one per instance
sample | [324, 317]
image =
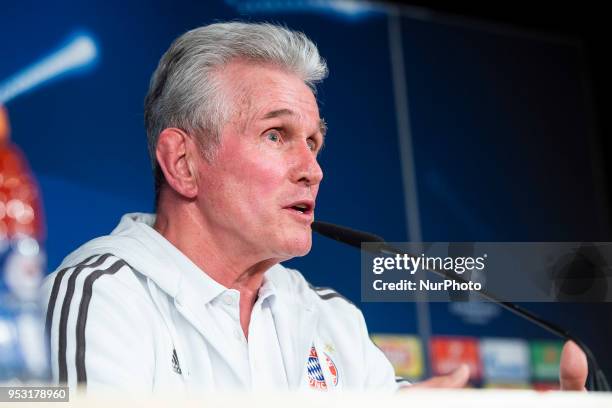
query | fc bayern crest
[316, 379]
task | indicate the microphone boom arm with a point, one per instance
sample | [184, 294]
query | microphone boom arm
[596, 380]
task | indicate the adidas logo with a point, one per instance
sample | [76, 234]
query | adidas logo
[176, 367]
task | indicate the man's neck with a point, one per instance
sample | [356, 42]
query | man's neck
[228, 266]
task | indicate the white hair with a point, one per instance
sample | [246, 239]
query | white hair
[184, 92]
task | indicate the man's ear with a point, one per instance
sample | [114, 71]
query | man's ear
[175, 154]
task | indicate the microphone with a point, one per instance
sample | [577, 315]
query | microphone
[345, 235]
[596, 380]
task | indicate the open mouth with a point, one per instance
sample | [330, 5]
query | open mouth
[302, 207]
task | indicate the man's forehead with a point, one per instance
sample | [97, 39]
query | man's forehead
[260, 90]
[286, 112]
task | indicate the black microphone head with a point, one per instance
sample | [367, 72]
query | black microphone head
[343, 234]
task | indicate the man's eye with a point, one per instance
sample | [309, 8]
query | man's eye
[273, 137]
[312, 145]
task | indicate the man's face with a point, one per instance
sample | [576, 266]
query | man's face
[258, 194]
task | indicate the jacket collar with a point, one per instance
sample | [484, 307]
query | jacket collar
[148, 252]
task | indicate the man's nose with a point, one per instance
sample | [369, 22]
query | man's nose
[306, 168]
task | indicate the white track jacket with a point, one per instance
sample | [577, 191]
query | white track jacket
[130, 312]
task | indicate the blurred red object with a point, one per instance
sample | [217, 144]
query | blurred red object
[448, 352]
[20, 202]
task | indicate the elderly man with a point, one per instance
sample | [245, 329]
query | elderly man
[195, 297]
